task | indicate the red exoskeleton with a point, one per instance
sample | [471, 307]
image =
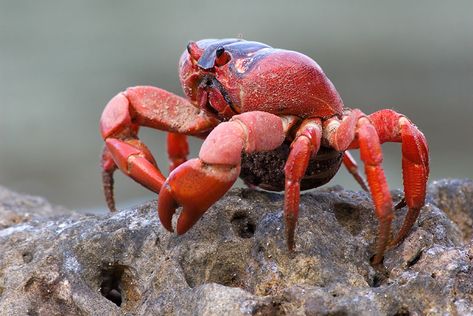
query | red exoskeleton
[268, 115]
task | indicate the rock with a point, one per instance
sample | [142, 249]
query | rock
[234, 261]
[17, 208]
[455, 198]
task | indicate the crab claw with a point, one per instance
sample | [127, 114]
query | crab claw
[195, 186]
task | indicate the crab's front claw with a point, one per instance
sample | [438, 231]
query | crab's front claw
[195, 186]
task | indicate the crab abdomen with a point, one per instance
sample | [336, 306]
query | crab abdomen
[266, 169]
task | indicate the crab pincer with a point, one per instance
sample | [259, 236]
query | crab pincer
[198, 183]
[195, 186]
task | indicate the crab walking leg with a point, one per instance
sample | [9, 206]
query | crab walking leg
[119, 124]
[178, 149]
[198, 183]
[352, 167]
[394, 127]
[371, 155]
[305, 145]
[355, 130]
[139, 165]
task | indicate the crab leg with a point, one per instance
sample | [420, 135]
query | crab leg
[178, 149]
[395, 127]
[134, 159]
[304, 146]
[372, 156]
[119, 124]
[198, 183]
[386, 125]
[352, 167]
[108, 168]
[356, 129]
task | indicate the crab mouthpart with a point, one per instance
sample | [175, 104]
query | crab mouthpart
[213, 98]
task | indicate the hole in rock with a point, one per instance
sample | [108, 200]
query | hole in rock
[403, 312]
[221, 271]
[414, 260]
[112, 285]
[27, 257]
[268, 308]
[243, 225]
[227, 265]
[380, 276]
[377, 280]
[31, 312]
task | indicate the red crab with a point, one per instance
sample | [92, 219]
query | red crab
[270, 116]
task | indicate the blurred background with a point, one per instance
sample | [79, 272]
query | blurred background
[61, 62]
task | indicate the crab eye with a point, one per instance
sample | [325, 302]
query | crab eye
[221, 57]
[219, 51]
[194, 51]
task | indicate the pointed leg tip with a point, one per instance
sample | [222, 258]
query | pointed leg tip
[290, 232]
[377, 260]
[290, 246]
[107, 183]
[409, 221]
[291, 249]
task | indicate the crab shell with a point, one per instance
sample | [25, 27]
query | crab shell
[255, 77]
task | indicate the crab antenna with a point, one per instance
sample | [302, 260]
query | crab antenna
[194, 50]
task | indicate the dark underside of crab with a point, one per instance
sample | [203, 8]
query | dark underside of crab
[266, 169]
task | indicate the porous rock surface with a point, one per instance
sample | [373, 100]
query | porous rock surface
[234, 261]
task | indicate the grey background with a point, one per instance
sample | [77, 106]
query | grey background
[60, 62]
